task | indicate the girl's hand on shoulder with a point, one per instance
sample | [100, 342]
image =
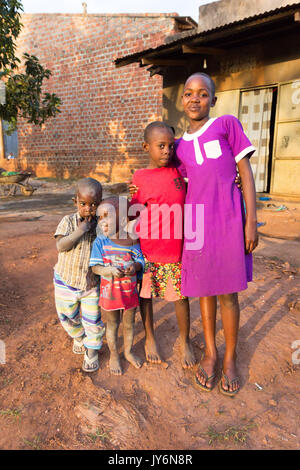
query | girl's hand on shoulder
[132, 189]
[251, 236]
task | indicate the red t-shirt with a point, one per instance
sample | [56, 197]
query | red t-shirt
[160, 229]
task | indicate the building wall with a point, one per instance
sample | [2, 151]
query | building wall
[219, 13]
[100, 127]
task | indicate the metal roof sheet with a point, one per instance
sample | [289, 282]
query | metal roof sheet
[190, 35]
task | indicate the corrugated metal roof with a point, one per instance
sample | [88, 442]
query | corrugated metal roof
[190, 35]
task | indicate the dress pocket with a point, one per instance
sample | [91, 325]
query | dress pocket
[212, 149]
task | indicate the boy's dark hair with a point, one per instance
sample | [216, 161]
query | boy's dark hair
[88, 184]
[156, 125]
[205, 75]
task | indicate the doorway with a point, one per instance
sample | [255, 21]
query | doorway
[257, 114]
[10, 142]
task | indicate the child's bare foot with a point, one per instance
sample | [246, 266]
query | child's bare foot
[115, 365]
[230, 379]
[151, 352]
[187, 355]
[134, 360]
[207, 370]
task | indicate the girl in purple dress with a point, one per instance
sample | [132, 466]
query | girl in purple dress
[222, 265]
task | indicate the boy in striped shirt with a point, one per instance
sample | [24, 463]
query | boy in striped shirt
[76, 287]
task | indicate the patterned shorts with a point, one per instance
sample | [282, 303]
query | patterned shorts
[162, 280]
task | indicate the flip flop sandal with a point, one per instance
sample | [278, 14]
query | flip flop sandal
[78, 347]
[88, 362]
[228, 383]
[208, 379]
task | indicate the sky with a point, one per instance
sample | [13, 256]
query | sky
[182, 7]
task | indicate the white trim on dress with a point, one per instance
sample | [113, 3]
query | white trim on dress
[244, 153]
[200, 131]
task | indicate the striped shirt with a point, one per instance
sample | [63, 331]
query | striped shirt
[73, 265]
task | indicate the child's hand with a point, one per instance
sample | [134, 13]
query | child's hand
[251, 236]
[116, 272]
[90, 280]
[238, 182]
[132, 189]
[109, 271]
[130, 271]
[87, 224]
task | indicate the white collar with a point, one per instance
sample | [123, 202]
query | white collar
[200, 131]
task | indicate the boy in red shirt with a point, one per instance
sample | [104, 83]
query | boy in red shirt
[161, 190]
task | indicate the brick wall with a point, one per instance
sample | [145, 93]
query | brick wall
[99, 131]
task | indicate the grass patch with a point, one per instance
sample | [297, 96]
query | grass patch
[45, 376]
[14, 413]
[220, 411]
[4, 382]
[33, 443]
[99, 434]
[202, 404]
[236, 434]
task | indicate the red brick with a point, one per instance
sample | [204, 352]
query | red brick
[104, 109]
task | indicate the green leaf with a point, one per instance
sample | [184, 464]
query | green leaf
[24, 96]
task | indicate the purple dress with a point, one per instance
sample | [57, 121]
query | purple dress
[214, 260]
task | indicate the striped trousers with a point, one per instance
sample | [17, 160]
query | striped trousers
[79, 314]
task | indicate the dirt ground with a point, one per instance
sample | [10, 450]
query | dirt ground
[47, 402]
